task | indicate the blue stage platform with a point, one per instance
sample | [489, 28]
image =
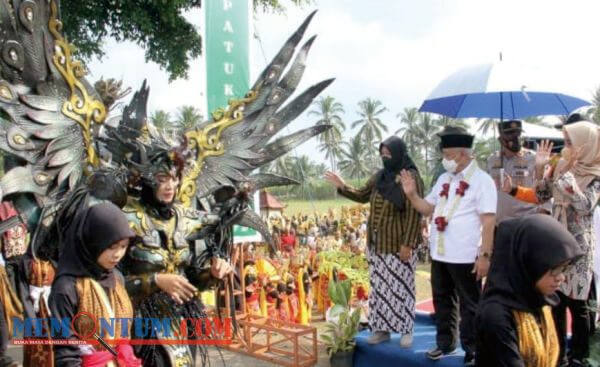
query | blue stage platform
[391, 354]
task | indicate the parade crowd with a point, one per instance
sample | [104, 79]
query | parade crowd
[511, 248]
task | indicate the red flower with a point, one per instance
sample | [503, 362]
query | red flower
[462, 187]
[445, 190]
[441, 223]
[361, 293]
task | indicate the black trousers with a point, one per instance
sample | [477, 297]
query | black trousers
[592, 300]
[580, 340]
[455, 291]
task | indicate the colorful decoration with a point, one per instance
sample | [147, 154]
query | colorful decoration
[442, 221]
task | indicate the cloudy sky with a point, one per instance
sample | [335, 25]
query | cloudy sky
[397, 51]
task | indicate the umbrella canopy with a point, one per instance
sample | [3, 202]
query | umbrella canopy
[499, 90]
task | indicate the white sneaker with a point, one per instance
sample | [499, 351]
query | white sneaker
[378, 337]
[406, 341]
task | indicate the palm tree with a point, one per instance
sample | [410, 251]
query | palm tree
[283, 166]
[428, 137]
[409, 130]
[486, 124]
[303, 170]
[482, 149]
[354, 162]
[161, 120]
[371, 124]
[320, 168]
[328, 110]
[188, 117]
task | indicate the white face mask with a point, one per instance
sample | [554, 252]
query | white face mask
[449, 165]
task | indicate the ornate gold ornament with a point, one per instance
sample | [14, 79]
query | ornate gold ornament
[81, 107]
[206, 142]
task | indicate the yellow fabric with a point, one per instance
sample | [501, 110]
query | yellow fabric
[263, 266]
[263, 302]
[12, 304]
[302, 308]
[94, 300]
[330, 278]
[41, 273]
[538, 344]
[317, 292]
[208, 298]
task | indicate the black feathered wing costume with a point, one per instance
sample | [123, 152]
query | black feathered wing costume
[50, 119]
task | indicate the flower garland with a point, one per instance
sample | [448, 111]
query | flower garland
[441, 221]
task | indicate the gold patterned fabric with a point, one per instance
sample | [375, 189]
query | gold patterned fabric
[538, 342]
[12, 304]
[41, 273]
[93, 299]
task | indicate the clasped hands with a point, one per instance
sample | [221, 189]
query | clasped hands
[181, 290]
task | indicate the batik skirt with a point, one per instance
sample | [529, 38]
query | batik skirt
[392, 293]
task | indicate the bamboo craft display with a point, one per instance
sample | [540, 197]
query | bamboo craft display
[271, 340]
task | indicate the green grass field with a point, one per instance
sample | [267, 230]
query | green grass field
[422, 282]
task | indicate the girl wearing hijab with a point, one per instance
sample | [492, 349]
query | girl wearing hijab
[574, 185]
[87, 281]
[515, 326]
[393, 234]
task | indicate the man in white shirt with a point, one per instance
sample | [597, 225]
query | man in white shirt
[463, 205]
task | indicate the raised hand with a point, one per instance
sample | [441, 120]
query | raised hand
[408, 183]
[543, 153]
[335, 180]
[406, 253]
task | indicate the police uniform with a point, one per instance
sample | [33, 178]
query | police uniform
[521, 169]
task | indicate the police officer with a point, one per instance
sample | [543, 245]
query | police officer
[519, 164]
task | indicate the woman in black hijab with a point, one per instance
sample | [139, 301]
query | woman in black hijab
[87, 278]
[393, 233]
[514, 320]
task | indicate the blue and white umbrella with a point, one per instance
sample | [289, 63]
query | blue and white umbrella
[500, 91]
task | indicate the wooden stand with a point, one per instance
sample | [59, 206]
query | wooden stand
[271, 340]
[277, 341]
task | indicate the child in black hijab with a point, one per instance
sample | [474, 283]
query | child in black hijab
[87, 281]
[514, 320]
